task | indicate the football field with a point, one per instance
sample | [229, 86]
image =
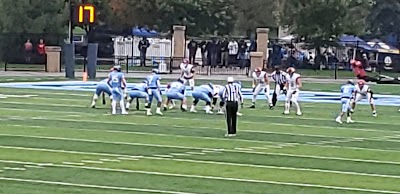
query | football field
[52, 143]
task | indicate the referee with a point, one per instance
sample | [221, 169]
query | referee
[280, 80]
[232, 95]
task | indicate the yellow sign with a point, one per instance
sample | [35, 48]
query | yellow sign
[85, 14]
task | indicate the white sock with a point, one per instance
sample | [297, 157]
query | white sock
[208, 109]
[339, 118]
[184, 106]
[128, 105]
[287, 106]
[158, 109]
[122, 106]
[114, 107]
[297, 106]
[95, 97]
[254, 99]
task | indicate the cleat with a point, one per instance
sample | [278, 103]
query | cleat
[239, 114]
[286, 113]
[220, 112]
[124, 113]
[271, 107]
[252, 106]
[171, 107]
[159, 113]
[209, 112]
[349, 120]
[338, 120]
[93, 106]
[299, 113]
[193, 111]
[374, 114]
[165, 109]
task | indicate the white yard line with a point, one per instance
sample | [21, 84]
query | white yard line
[186, 147]
[92, 161]
[250, 131]
[90, 186]
[163, 156]
[126, 158]
[269, 116]
[109, 160]
[223, 178]
[275, 167]
[33, 166]
[17, 169]
[74, 163]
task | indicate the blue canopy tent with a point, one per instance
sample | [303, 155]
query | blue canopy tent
[141, 32]
[355, 41]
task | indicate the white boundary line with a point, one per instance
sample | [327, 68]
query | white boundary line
[219, 178]
[90, 186]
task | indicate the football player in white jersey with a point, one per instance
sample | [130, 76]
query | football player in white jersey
[260, 82]
[293, 86]
[363, 91]
[187, 72]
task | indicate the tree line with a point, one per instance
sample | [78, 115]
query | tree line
[313, 20]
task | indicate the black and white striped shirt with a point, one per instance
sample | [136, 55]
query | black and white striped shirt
[232, 93]
[279, 78]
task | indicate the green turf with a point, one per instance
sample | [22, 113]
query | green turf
[183, 152]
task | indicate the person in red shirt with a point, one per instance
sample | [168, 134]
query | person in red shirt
[41, 47]
[360, 73]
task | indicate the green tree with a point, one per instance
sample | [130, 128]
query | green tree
[318, 21]
[33, 16]
[255, 13]
[30, 19]
[384, 18]
[200, 16]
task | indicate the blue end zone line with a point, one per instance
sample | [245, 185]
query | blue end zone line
[305, 96]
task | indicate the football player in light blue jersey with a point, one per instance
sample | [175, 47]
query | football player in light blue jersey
[101, 88]
[153, 85]
[138, 91]
[205, 93]
[222, 100]
[347, 93]
[176, 91]
[117, 83]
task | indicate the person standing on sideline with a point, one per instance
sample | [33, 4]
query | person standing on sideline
[192, 47]
[28, 47]
[232, 95]
[144, 44]
[280, 80]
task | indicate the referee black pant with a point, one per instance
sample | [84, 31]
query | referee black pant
[231, 116]
[277, 92]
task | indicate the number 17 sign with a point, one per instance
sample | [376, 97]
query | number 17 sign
[85, 14]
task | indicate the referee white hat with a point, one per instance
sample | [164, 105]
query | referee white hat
[230, 79]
